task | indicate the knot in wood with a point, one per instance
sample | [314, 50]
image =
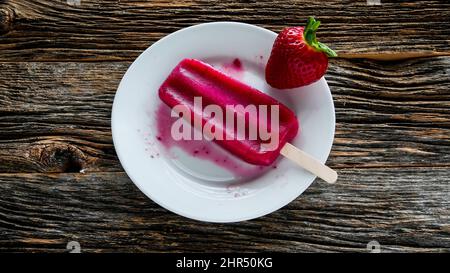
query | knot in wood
[6, 19]
[59, 157]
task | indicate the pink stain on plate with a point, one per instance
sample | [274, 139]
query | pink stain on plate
[202, 149]
[234, 69]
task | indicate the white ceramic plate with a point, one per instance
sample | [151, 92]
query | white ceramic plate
[196, 187]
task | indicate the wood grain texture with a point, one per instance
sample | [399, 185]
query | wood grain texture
[60, 179]
[55, 117]
[46, 30]
[391, 113]
[105, 212]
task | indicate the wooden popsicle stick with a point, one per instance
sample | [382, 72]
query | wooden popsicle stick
[309, 163]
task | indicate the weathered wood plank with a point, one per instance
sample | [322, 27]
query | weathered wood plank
[391, 113]
[388, 114]
[47, 30]
[106, 212]
[56, 117]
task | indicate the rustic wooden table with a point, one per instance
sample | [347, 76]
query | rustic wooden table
[60, 179]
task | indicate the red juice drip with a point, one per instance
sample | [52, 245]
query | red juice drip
[235, 69]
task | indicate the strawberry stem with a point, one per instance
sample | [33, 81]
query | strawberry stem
[309, 35]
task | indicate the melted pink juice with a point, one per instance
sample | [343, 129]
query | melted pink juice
[202, 149]
[235, 69]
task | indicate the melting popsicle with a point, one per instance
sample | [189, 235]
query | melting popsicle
[192, 80]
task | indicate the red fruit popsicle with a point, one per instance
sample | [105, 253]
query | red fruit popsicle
[192, 78]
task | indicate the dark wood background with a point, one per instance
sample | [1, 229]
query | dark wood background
[61, 181]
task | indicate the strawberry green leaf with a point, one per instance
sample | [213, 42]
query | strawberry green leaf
[309, 35]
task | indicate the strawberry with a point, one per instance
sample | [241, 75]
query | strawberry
[297, 58]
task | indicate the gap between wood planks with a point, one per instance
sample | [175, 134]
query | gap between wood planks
[444, 166]
[394, 56]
